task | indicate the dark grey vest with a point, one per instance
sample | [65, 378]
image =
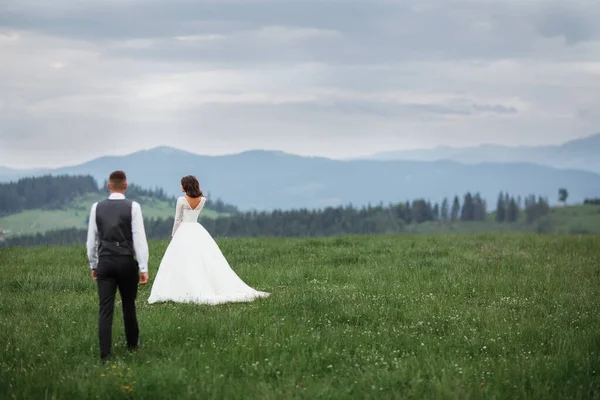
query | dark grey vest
[113, 218]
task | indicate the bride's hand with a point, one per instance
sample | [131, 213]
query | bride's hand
[143, 278]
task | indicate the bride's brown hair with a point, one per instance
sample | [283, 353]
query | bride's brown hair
[191, 186]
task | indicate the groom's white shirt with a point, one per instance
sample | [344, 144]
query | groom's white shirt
[140, 245]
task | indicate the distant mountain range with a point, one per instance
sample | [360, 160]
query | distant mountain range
[9, 174]
[266, 180]
[583, 154]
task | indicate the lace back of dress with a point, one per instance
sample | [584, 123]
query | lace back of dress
[190, 215]
[185, 213]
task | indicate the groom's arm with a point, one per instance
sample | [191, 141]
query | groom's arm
[140, 244]
[92, 239]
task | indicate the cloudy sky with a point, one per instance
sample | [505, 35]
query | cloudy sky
[339, 78]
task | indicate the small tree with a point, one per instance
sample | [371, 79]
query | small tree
[445, 209]
[479, 208]
[512, 213]
[421, 211]
[436, 212]
[501, 209]
[455, 209]
[536, 208]
[407, 213]
[563, 194]
[468, 208]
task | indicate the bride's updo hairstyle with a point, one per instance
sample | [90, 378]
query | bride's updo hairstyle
[191, 186]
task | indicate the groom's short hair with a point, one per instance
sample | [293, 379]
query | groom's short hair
[117, 180]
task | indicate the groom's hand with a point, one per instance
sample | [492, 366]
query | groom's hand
[143, 278]
[94, 277]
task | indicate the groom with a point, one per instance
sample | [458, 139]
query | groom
[115, 234]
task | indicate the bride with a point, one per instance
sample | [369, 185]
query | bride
[193, 269]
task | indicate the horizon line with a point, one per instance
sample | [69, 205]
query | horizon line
[356, 158]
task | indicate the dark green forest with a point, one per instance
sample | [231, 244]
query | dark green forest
[48, 192]
[57, 192]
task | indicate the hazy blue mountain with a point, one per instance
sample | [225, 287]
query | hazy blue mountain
[268, 180]
[583, 154]
[10, 174]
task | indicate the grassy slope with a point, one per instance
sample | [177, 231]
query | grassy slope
[578, 219]
[33, 221]
[494, 316]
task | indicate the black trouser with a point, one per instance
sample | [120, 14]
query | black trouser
[113, 272]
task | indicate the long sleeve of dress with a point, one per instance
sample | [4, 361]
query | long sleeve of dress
[178, 215]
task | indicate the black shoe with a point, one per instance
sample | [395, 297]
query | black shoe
[104, 359]
[134, 347]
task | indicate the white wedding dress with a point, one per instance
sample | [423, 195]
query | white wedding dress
[193, 269]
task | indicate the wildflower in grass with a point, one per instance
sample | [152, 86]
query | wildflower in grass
[128, 388]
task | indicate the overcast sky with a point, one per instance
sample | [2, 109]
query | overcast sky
[81, 79]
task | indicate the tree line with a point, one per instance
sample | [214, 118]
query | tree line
[46, 192]
[56, 192]
[330, 221]
[138, 193]
[509, 208]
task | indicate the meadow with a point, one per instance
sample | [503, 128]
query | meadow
[495, 316]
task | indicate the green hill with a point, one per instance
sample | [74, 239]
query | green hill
[75, 215]
[576, 219]
[52, 203]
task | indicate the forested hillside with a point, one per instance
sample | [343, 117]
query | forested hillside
[468, 215]
[40, 204]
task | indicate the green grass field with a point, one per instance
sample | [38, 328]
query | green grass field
[417, 317]
[75, 216]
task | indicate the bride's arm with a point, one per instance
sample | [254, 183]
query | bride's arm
[178, 215]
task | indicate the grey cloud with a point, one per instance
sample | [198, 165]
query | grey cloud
[576, 22]
[414, 110]
[590, 114]
[224, 76]
[298, 128]
[494, 108]
[373, 31]
[124, 20]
